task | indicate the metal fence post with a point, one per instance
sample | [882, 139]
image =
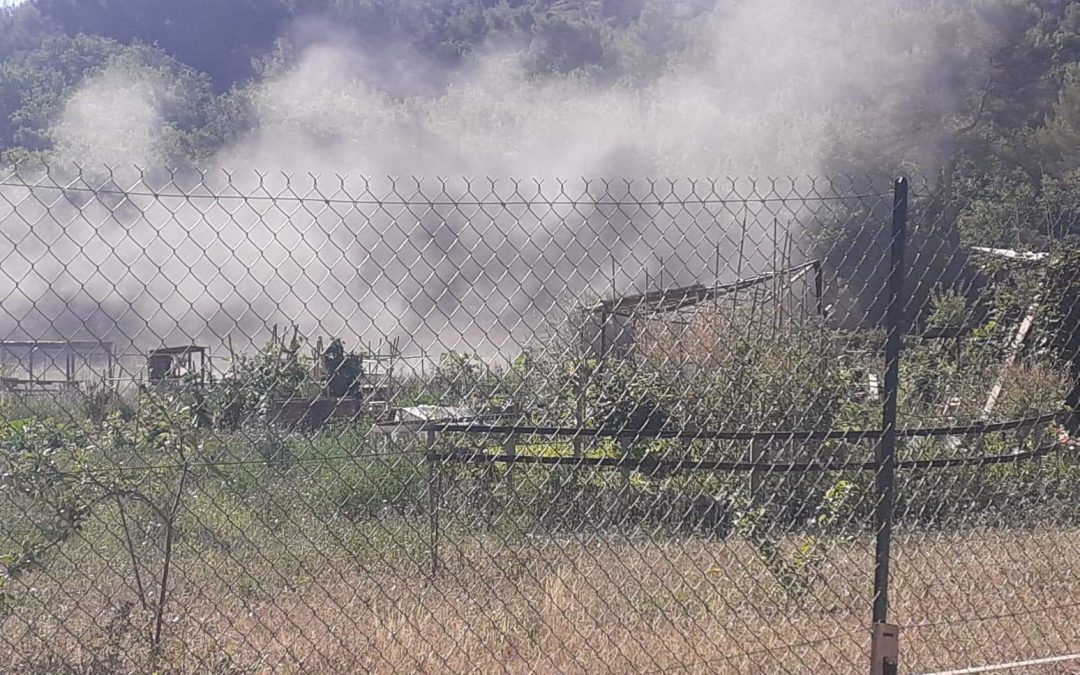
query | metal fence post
[884, 659]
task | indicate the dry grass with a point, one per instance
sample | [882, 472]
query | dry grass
[361, 604]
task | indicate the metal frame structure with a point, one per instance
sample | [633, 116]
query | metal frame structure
[167, 364]
[71, 376]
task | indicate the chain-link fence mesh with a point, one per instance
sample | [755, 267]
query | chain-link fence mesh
[286, 423]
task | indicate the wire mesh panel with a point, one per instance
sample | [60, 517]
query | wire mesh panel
[385, 425]
[982, 572]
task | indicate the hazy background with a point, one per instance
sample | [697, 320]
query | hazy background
[296, 101]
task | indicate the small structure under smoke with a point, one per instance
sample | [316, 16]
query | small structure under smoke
[176, 364]
[35, 366]
[622, 325]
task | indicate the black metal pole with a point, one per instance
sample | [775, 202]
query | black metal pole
[603, 338]
[819, 289]
[886, 448]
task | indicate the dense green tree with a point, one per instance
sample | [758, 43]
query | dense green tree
[36, 88]
[215, 36]
[1058, 141]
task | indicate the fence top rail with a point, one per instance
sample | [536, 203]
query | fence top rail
[692, 464]
[721, 435]
[56, 344]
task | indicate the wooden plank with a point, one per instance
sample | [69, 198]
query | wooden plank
[1014, 349]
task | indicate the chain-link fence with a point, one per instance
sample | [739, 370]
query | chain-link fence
[278, 423]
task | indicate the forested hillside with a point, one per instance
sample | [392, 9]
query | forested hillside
[986, 94]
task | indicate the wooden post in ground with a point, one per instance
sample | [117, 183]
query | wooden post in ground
[434, 498]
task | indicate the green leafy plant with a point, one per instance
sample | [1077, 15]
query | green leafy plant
[39, 464]
[163, 437]
[57, 474]
[254, 384]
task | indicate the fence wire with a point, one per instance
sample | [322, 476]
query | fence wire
[260, 422]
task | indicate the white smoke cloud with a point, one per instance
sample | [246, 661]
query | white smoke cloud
[781, 87]
[114, 119]
[768, 89]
